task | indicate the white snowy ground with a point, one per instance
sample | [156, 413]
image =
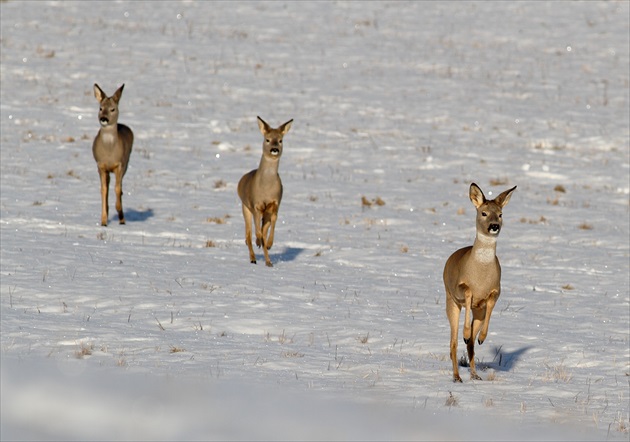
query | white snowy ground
[161, 329]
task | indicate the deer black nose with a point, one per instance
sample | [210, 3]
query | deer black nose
[494, 228]
[104, 120]
[275, 151]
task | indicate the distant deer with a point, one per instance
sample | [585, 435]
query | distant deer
[260, 191]
[111, 149]
[472, 277]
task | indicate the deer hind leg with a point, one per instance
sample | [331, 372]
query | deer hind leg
[119, 208]
[452, 313]
[477, 321]
[104, 176]
[247, 216]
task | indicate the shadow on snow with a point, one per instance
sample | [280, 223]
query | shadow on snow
[132, 215]
[288, 254]
[505, 361]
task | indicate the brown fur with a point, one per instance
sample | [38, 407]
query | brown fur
[111, 149]
[260, 191]
[472, 278]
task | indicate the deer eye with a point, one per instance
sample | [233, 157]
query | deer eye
[484, 214]
[500, 215]
[267, 140]
[280, 141]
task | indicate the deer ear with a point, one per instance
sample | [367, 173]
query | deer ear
[264, 127]
[98, 93]
[286, 126]
[504, 197]
[118, 93]
[476, 195]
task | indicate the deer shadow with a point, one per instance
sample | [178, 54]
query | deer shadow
[132, 215]
[504, 360]
[288, 254]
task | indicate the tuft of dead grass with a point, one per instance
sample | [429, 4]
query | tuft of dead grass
[218, 220]
[373, 202]
[499, 182]
[621, 424]
[85, 349]
[364, 339]
[541, 220]
[560, 188]
[557, 373]
[292, 354]
[451, 401]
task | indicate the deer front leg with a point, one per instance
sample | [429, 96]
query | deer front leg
[267, 260]
[104, 176]
[478, 317]
[490, 303]
[258, 217]
[269, 221]
[452, 313]
[468, 307]
[247, 215]
[269, 224]
[119, 176]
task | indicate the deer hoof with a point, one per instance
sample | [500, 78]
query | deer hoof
[269, 264]
[480, 341]
[457, 380]
[466, 340]
[475, 377]
[253, 261]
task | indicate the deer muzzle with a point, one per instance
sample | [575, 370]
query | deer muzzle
[494, 229]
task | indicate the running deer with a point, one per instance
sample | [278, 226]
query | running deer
[111, 149]
[260, 191]
[472, 277]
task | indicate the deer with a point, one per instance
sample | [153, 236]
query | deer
[472, 278]
[260, 191]
[111, 149]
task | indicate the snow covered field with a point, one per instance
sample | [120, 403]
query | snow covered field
[161, 329]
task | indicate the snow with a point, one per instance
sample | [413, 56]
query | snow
[161, 329]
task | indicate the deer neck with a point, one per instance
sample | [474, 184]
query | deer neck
[268, 169]
[109, 134]
[484, 249]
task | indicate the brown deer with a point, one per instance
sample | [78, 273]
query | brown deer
[111, 149]
[472, 277]
[260, 191]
